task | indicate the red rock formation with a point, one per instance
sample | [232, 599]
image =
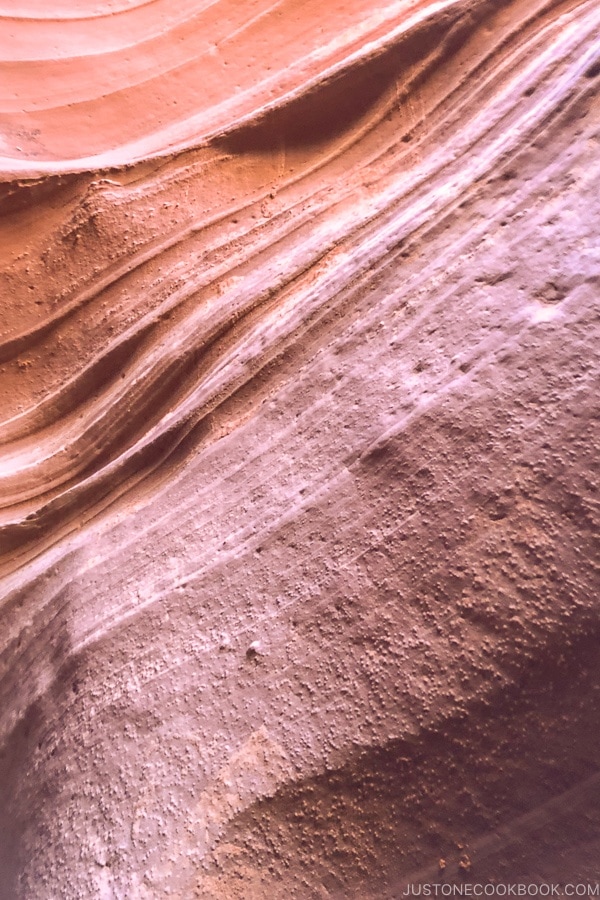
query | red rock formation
[298, 447]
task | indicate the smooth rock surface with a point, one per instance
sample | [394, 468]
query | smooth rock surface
[299, 447]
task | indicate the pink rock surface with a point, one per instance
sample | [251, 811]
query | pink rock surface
[298, 447]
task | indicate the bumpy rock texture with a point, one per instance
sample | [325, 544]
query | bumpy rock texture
[299, 446]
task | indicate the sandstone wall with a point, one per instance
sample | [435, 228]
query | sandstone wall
[299, 447]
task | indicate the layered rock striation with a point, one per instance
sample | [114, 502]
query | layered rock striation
[298, 447]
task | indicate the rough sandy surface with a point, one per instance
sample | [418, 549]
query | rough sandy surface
[299, 447]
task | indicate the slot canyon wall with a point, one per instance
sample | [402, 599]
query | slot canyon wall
[299, 447]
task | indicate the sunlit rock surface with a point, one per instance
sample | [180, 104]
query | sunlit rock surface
[299, 447]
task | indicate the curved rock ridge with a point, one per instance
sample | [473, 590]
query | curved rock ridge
[128, 82]
[298, 446]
